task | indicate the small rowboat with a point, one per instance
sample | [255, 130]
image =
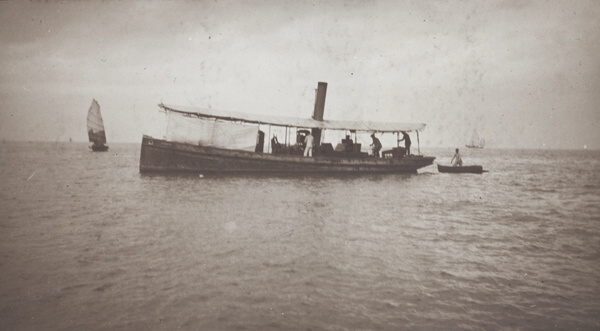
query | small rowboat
[470, 169]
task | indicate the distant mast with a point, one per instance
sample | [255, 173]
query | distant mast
[95, 127]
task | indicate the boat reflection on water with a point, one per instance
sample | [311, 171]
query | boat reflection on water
[469, 169]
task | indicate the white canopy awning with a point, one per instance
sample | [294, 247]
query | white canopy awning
[296, 122]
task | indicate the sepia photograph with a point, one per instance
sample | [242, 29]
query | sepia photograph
[300, 165]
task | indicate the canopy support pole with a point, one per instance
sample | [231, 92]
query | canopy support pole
[418, 143]
[269, 143]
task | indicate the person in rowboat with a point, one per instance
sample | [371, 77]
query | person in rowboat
[456, 159]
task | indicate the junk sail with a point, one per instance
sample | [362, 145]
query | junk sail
[95, 127]
[475, 141]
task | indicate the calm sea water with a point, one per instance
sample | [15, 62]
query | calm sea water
[88, 243]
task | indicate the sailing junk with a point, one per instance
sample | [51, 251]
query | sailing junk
[95, 128]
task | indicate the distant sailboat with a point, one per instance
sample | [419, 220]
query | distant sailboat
[475, 141]
[95, 127]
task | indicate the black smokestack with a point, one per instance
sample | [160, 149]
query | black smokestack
[320, 101]
[318, 113]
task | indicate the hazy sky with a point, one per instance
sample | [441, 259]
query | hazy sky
[524, 74]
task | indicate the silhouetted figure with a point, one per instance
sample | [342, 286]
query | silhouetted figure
[406, 139]
[376, 145]
[348, 143]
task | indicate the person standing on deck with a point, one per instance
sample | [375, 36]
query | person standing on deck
[376, 145]
[406, 139]
[458, 161]
[309, 141]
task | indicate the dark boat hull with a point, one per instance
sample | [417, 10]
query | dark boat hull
[168, 157]
[472, 169]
